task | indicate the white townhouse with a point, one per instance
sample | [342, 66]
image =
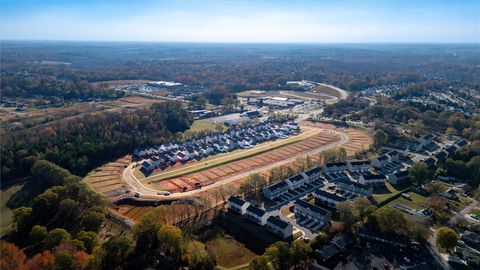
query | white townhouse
[380, 161]
[257, 215]
[276, 190]
[238, 205]
[327, 198]
[148, 166]
[398, 177]
[393, 156]
[355, 188]
[372, 179]
[283, 229]
[335, 167]
[313, 174]
[425, 140]
[296, 181]
[310, 211]
[359, 166]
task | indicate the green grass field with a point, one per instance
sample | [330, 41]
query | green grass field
[416, 201]
[199, 125]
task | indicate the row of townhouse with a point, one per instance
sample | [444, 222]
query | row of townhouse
[327, 198]
[351, 166]
[311, 212]
[278, 189]
[443, 153]
[382, 160]
[261, 217]
[355, 188]
[168, 154]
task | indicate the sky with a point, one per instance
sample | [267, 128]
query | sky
[282, 21]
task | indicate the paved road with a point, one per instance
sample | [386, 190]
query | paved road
[432, 247]
[146, 192]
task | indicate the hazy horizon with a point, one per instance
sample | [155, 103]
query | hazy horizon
[251, 22]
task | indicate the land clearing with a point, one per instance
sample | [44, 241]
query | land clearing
[115, 83]
[6, 214]
[34, 117]
[229, 252]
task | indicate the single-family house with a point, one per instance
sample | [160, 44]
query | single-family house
[425, 140]
[382, 238]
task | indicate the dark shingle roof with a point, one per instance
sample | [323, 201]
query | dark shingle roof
[374, 176]
[461, 142]
[336, 164]
[296, 178]
[312, 207]
[236, 200]
[313, 171]
[359, 163]
[329, 195]
[277, 222]
[257, 211]
[279, 185]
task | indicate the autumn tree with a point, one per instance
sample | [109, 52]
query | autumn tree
[42, 261]
[280, 255]
[170, 241]
[116, 251]
[446, 238]
[419, 172]
[348, 215]
[197, 257]
[11, 257]
[300, 254]
[259, 263]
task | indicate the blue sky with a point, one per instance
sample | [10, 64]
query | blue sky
[243, 21]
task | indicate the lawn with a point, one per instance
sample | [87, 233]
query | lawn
[381, 194]
[475, 212]
[199, 125]
[6, 215]
[416, 201]
[228, 252]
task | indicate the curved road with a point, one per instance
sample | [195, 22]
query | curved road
[146, 192]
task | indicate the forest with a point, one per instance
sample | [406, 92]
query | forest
[85, 142]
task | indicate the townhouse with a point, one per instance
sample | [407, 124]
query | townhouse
[346, 185]
[335, 167]
[283, 229]
[276, 190]
[238, 205]
[257, 215]
[372, 179]
[359, 166]
[327, 198]
[312, 212]
[296, 181]
[398, 177]
[313, 174]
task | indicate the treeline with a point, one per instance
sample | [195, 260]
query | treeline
[48, 86]
[83, 143]
[464, 164]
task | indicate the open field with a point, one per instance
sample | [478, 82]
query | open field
[36, 117]
[286, 94]
[416, 201]
[6, 218]
[107, 178]
[118, 82]
[229, 252]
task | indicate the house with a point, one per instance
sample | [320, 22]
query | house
[380, 161]
[425, 140]
[311, 212]
[393, 155]
[355, 188]
[257, 215]
[431, 162]
[450, 193]
[335, 167]
[472, 239]
[251, 114]
[336, 245]
[463, 187]
[372, 179]
[238, 205]
[296, 181]
[276, 190]
[440, 156]
[313, 174]
[148, 166]
[461, 143]
[327, 198]
[279, 227]
[398, 177]
[450, 150]
[382, 238]
[359, 166]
